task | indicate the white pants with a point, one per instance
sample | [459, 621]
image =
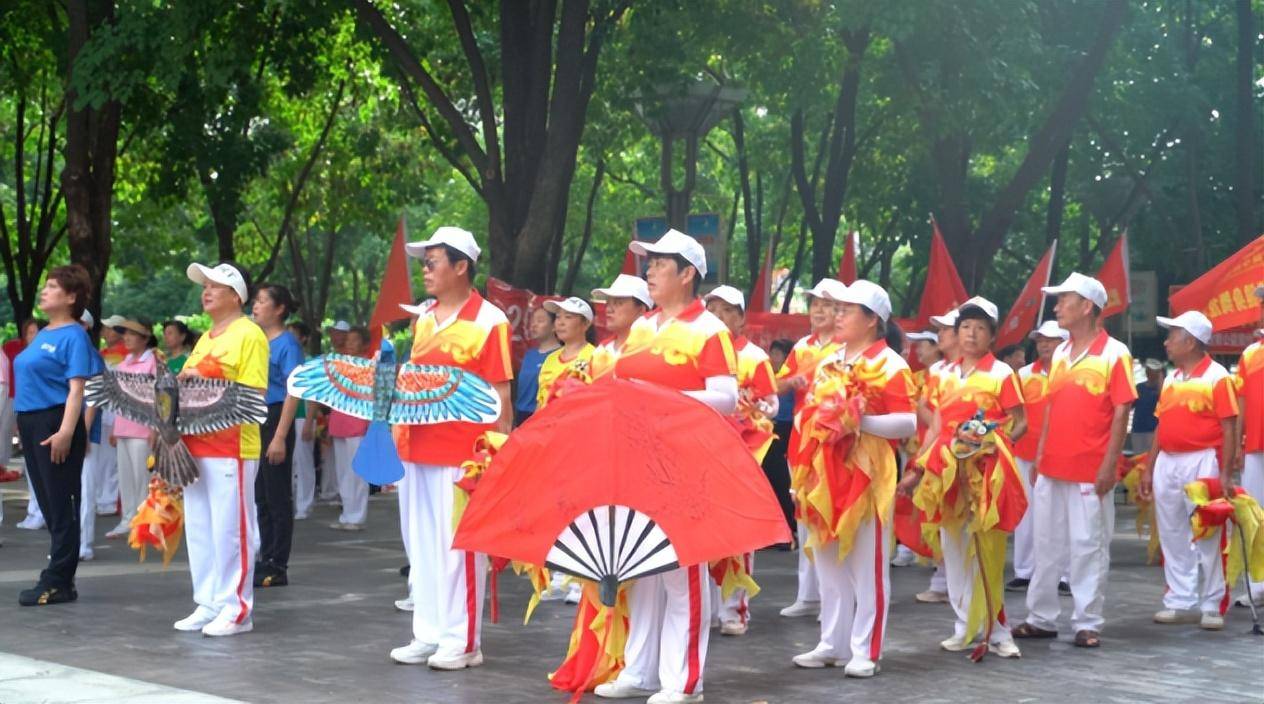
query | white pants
[1024, 560]
[133, 475]
[448, 586]
[328, 489]
[1071, 531]
[6, 438]
[938, 579]
[735, 608]
[1194, 570]
[1253, 482]
[809, 583]
[855, 595]
[106, 469]
[960, 569]
[353, 490]
[87, 490]
[668, 631]
[304, 465]
[222, 533]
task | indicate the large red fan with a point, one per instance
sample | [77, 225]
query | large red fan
[620, 480]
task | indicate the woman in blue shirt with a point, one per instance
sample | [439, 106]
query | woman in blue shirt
[48, 403]
[540, 328]
[274, 488]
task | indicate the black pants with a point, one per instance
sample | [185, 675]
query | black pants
[56, 490]
[274, 496]
[778, 470]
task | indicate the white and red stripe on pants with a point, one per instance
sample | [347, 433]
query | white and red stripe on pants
[855, 594]
[669, 624]
[1194, 570]
[447, 586]
[222, 533]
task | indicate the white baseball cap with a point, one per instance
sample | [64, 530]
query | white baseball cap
[87, 318]
[1049, 328]
[1192, 322]
[223, 274]
[729, 295]
[113, 321]
[1153, 365]
[983, 304]
[829, 289]
[1086, 286]
[927, 336]
[625, 286]
[674, 242]
[867, 294]
[414, 311]
[340, 326]
[456, 238]
[575, 305]
[947, 320]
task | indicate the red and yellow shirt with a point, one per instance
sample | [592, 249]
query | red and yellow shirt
[754, 369]
[240, 354]
[804, 358]
[1250, 384]
[554, 366]
[1034, 379]
[1083, 395]
[991, 387]
[603, 358]
[476, 339]
[679, 352]
[883, 370]
[1192, 405]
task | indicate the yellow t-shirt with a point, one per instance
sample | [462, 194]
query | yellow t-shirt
[553, 368]
[240, 354]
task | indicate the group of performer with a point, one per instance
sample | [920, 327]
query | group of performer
[981, 449]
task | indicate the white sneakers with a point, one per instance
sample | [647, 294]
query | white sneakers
[861, 668]
[201, 616]
[814, 659]
[904, 557]
[119, 531]
[620, 690]
[1174, 616]
[86, 555]
[455, 662]
[955, 644]
[802, 608]
[347, 526]
[1211, 621]
[415, 653]
[573, 593]
[674, 698]
[227, 627]
[31, 523]
[930, 596]
[732, 628]
[1005, 649]
[404, 604]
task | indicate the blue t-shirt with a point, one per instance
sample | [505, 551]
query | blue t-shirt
[1143, 419]
[528, 378]
[44, 369]
[785, 408]
[284, 353]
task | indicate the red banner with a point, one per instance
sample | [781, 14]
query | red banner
[1226, 294]
[761, 293]
[1114, 276]
[847, 265]
[943, 289]
[396, 289]
[1022, 316]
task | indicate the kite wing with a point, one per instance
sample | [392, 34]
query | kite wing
[341, 382]
[426, 394]
[129, 395]
[208, 405]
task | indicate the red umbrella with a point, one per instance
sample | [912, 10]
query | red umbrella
[621, 480]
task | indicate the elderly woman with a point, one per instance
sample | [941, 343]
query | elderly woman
[48, 402]
[220, 519]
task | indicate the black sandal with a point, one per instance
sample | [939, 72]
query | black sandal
[1026, 630]
[1088, 639]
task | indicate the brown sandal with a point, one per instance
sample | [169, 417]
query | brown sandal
[1026, 630]
[1088, 639]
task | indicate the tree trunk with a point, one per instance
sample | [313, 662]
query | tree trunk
[572, 271]
[1247, 187]
[1057, 194]
[91, 150]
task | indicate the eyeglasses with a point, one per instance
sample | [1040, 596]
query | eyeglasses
[429, 264]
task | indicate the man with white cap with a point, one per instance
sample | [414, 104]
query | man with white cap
[757, 404]
[849, 517]
[221, 524]
[1034, 379]
[1250, 382]
[1086, 421]
[796, 374]
[680, 346]
[627, 299]
[946, 338]
[1197, 411]
[458, 327]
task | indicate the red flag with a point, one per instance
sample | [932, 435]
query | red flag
[943, 289]
[1226, 294]
[1022, 317]
[396, 288]
[630, 264]
[1114, 276]
[847, 265]
[761, 293]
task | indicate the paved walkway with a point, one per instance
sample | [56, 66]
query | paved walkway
[325, 638]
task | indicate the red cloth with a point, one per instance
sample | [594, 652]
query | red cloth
[847, 265]
[1022, 316]
[396, 288]
[943, 289]
[1114, 276]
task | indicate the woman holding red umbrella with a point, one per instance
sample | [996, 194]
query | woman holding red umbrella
[859, 401]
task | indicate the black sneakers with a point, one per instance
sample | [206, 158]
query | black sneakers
[43, 596]
[1017, 584]
[1064, 589]
[270, 576]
